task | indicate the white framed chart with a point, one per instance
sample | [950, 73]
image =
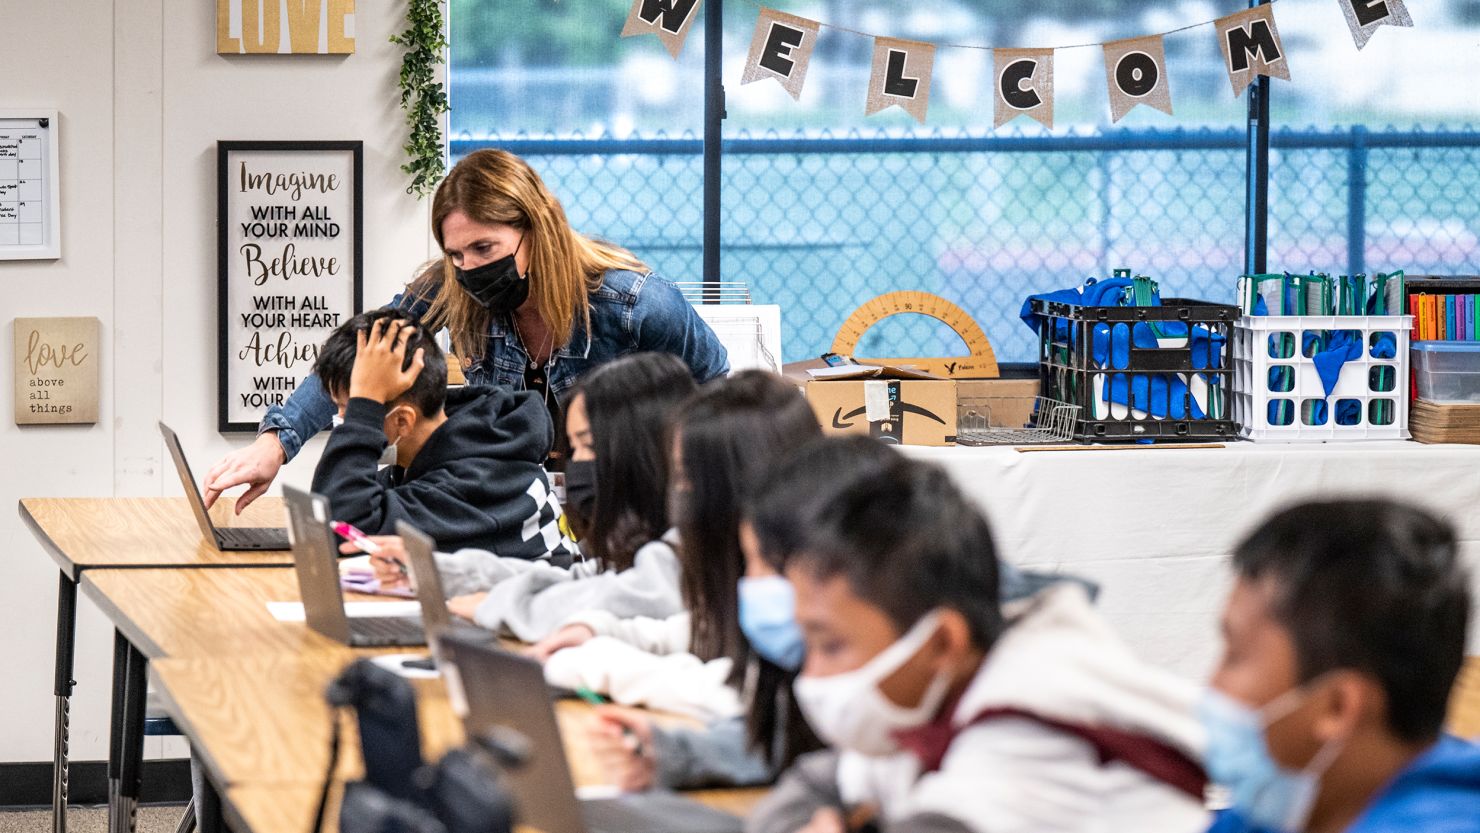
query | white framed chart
[30, 208]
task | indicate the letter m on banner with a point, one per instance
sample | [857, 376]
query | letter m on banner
[1251, 46]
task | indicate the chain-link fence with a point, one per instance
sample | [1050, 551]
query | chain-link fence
[821, 224]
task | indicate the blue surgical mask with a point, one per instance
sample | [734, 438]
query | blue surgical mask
[768, 620]
[1265, 794]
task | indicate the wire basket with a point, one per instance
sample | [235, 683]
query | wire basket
[1051, 422]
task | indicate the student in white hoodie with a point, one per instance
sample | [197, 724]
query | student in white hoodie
[945, 710]
[616, 502]
[725, 439]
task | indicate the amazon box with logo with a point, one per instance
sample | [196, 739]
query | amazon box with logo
[892, 404]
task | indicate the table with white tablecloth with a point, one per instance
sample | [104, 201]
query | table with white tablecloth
[1154, 526]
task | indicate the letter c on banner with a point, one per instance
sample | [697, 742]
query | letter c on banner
[1136, 74]
[1014, 75]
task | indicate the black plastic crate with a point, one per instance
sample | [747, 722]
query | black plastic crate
[1075, 365]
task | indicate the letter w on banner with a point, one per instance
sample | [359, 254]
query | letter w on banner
[781, 48]
[1137, 72]
[670, 20]
[1364, 16]
[1024, 85]
[1251, 46]
[901, 75]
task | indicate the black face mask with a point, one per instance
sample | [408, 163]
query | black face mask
[497, 284]
[580, 494]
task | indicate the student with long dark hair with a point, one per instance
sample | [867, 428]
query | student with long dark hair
[725, 438]
[616, 501]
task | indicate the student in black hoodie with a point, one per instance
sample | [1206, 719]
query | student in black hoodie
[468, 462]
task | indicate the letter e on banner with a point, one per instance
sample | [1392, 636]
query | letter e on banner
[781, 49]
[1364, 16]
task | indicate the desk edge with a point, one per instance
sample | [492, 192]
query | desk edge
[65, 563]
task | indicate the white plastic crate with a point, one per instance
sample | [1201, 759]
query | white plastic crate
[1271, 365]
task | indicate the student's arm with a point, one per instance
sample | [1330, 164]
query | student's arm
[533, 605]
[474, 571]
[655, 636]
[811, 784]
[346, 473]
[716, 756]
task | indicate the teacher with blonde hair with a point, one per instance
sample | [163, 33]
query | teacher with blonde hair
[529, 303]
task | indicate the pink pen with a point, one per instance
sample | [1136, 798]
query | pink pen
[359, 539]
[354, 536]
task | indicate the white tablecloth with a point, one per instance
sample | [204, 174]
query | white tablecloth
[1155, 526]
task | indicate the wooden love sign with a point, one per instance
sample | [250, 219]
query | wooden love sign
[56, 370]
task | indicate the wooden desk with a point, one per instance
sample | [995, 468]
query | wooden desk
[1464, 704]
[262, 729]
[184, 612]
[193, 612]
[84, 533]
[92, 533]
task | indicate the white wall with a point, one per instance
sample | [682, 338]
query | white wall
[143, 99]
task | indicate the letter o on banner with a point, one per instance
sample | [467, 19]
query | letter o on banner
[1137, 74]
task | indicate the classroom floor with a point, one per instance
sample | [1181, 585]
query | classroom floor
[155, 819]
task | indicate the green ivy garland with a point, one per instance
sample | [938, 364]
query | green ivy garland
[422, 96]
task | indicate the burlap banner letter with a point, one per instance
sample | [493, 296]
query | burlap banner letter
[1024, 85]
[1251, 46]
[670, 20]
[901, 75]
[781, 48]
[1137, 72]
[1364, 16]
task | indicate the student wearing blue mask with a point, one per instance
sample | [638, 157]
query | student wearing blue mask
[1343, 636]
[725, 440]
[948, 710]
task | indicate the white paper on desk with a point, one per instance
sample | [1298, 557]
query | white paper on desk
[293, 611]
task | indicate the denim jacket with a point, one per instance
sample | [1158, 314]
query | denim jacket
[630, 312]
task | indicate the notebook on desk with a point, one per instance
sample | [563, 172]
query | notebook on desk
[496, 690]
[226, 538]
[316, 561]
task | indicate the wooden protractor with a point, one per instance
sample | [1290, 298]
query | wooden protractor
[980, 364]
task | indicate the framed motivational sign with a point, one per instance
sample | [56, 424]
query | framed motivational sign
[289, 228]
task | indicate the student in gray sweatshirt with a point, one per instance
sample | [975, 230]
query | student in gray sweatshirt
[725, 438]
[616, 504]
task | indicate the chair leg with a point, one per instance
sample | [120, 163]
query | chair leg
[187, 821]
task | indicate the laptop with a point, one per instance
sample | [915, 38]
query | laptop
[426, 581]
[316, 560]
[502, 692]
[226, 538]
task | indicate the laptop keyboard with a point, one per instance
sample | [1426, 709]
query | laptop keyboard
[388, 630]
[266, 537]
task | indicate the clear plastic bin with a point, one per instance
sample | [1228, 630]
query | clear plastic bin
[1447, 371]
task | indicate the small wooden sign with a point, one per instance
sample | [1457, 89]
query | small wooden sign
[285, 27]
[56, 371]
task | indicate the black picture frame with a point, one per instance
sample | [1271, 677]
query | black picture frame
[224, 152]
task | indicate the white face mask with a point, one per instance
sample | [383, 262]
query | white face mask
[849, 711]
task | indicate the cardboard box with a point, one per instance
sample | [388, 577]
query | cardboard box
[1008, 403]
[891, 404]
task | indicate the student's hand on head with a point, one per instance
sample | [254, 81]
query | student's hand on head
[628, 756]
[256, 465]
[379, 354]
[825, 820]
[466, 606]
[389, 564]
[569, 636]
